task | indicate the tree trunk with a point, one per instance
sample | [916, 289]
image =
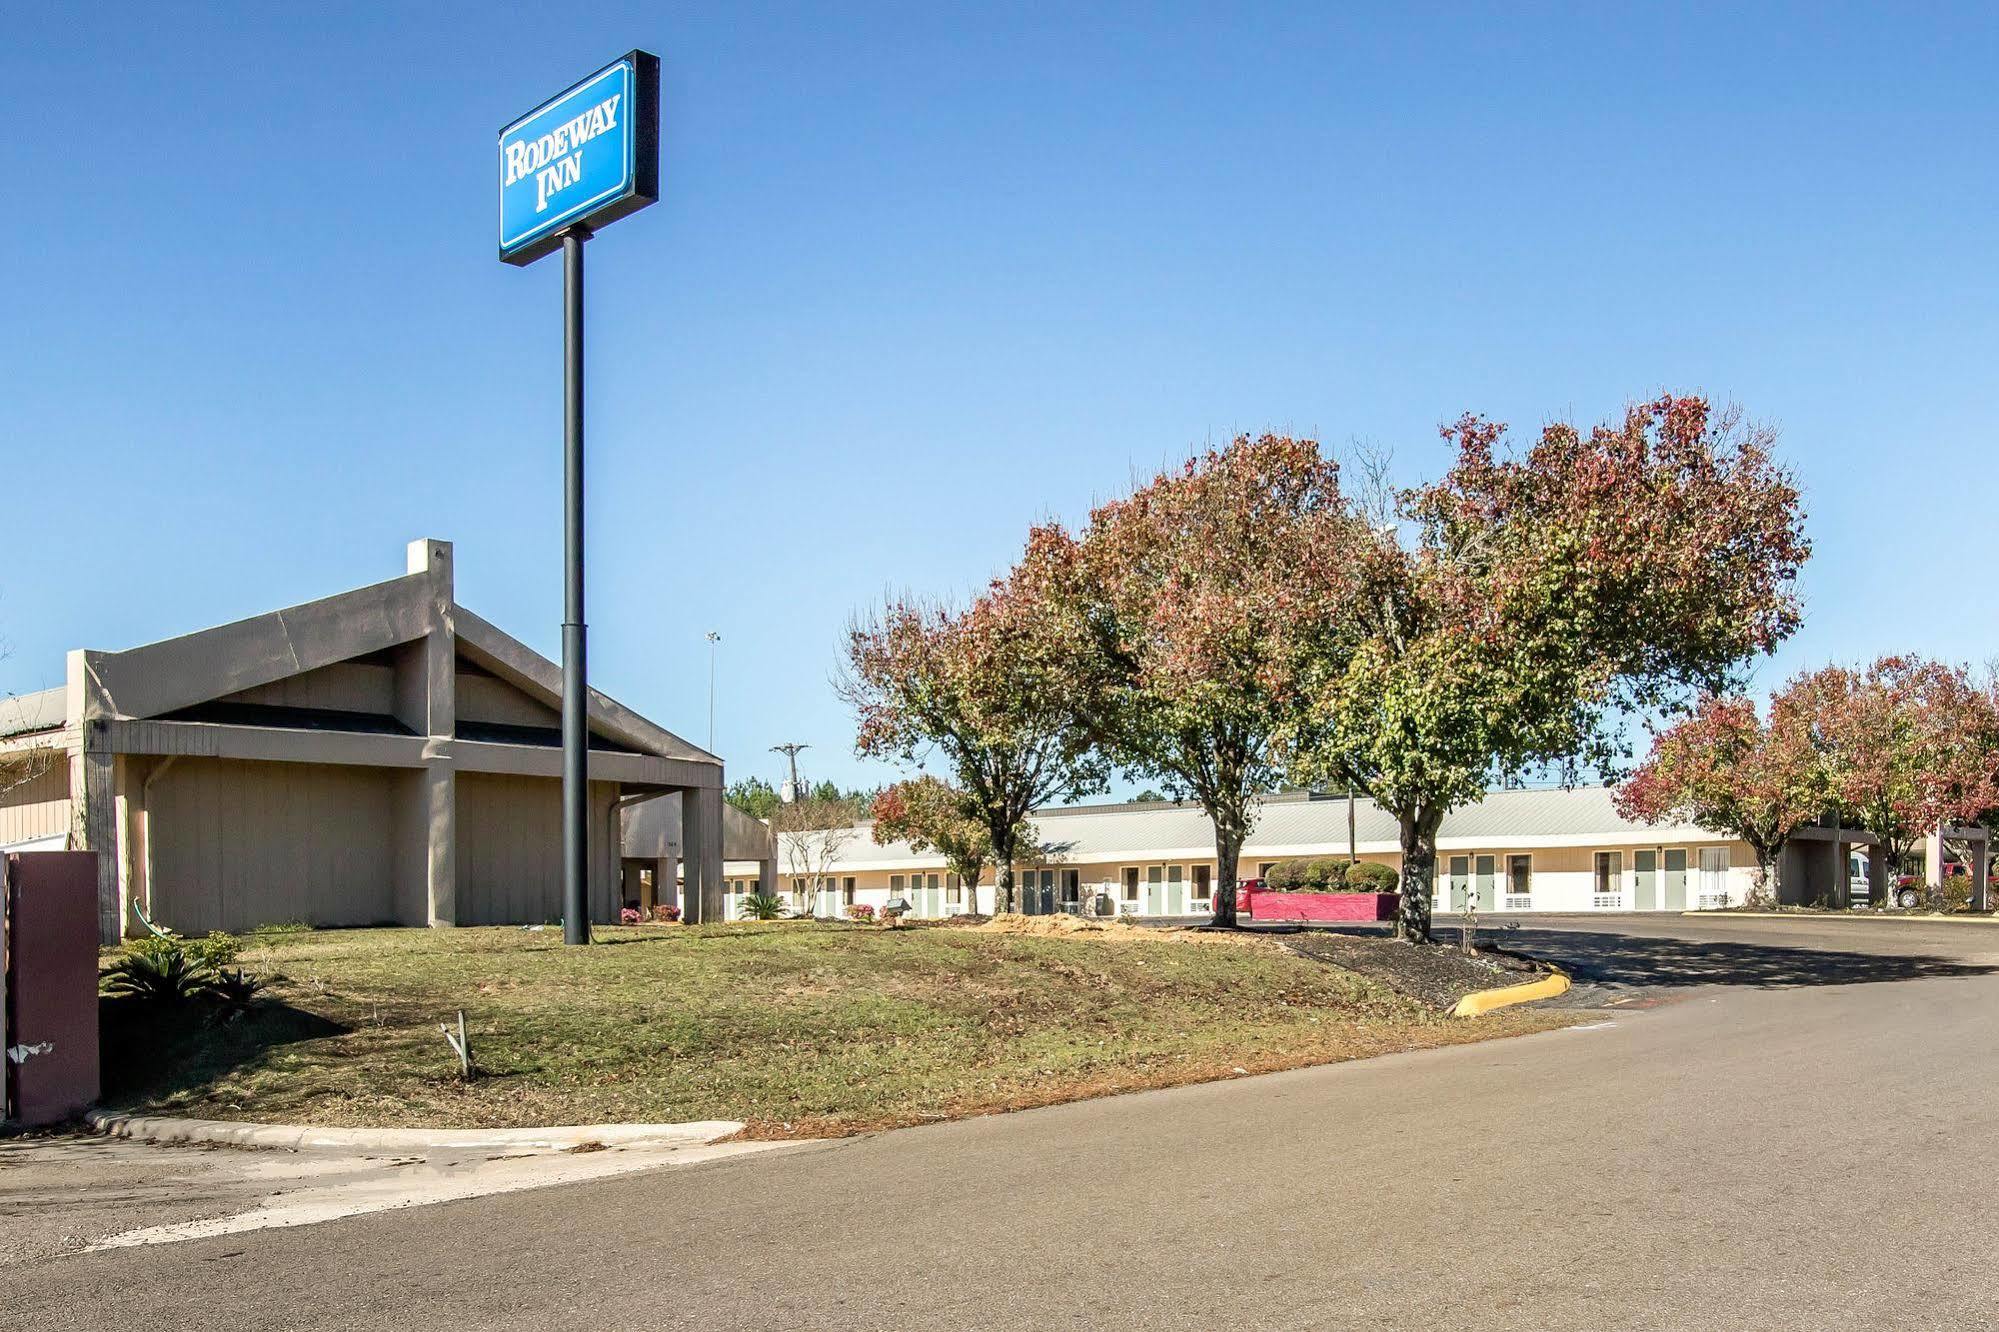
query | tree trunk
[1419, 873]
[1228, 856]
[1764, 894]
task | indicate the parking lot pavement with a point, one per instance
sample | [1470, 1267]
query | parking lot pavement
[1628, 960]
[1632, 960]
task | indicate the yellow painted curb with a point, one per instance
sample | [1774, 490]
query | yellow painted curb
[1928, 918]
[1484, 1001]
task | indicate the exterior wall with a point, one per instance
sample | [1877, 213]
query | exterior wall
[38, 807]
[1562, 879]
[486, 698]
[509, 850]
[238, 844]
[347, 686]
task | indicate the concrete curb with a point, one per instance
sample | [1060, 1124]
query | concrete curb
[1485, 1001]
[307, 1137]
[1921, 919]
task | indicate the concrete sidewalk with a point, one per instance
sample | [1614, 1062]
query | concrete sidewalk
[70, 1193]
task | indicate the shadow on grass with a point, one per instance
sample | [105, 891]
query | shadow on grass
[151, 1053]
[1605, 957]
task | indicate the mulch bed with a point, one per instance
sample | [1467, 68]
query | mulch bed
[1438, 974]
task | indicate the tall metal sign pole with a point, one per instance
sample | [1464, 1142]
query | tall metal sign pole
[578, 162]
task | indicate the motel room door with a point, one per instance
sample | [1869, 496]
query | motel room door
[1676, 879]
[1155, 891]
[1645, 868]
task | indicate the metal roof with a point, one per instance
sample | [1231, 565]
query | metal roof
[1295, 824]
[43, 710]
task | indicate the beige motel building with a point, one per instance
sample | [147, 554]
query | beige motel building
[1516, 850]
[380, 756]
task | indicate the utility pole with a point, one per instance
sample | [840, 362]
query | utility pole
[713, 639]
[792, 790]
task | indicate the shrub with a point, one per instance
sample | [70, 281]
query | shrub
[629, 916]
[157, 971]
[1334, 872]
[1286, 875]
[665, 914]
[860, 911]
[216, 951]
[1953, 895]
[1370, 877]
[233, 990]
[762, 906]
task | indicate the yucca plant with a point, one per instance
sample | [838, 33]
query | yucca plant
[158, 971]
[233, 989]
[762, 906]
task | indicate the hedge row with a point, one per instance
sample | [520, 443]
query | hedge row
[1331, 876]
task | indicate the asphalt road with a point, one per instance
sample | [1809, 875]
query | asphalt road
[1772, 1124]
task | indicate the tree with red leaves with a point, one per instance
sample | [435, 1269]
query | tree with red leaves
[934, 816]
[1726, 770]
[1195, 612]
[1543, 596]
[1910, 744]
[988, 689]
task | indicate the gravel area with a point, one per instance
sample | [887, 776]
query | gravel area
[1438, 974]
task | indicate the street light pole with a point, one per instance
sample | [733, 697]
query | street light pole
[575, 673]
[713, 639]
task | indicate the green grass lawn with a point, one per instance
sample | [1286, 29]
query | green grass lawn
[797, 1028]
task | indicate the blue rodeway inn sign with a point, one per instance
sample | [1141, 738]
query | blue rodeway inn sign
[588, 156]
[582, 159]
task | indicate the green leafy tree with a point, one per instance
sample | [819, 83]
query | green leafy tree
[754, 796]
[1197, 611]
[986, 690]
[934, 816]
[1534, 600]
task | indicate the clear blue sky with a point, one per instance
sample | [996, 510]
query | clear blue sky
[923, 275]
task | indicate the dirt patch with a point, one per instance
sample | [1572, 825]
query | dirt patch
[1436, 974]
[1111, 929]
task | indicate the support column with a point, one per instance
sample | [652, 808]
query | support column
[1836, 889]
[1981, 857]
[1933, 859]
[439, 794]
[1880, 885]
[129, 804]
[666, 880]
[94, 827]
[701, 845]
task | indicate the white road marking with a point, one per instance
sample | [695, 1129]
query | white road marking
[356, 1186]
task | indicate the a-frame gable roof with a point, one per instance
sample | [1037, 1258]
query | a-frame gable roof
[176, 673]
[495, 650]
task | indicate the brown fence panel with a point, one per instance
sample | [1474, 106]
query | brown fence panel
[50, 902]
